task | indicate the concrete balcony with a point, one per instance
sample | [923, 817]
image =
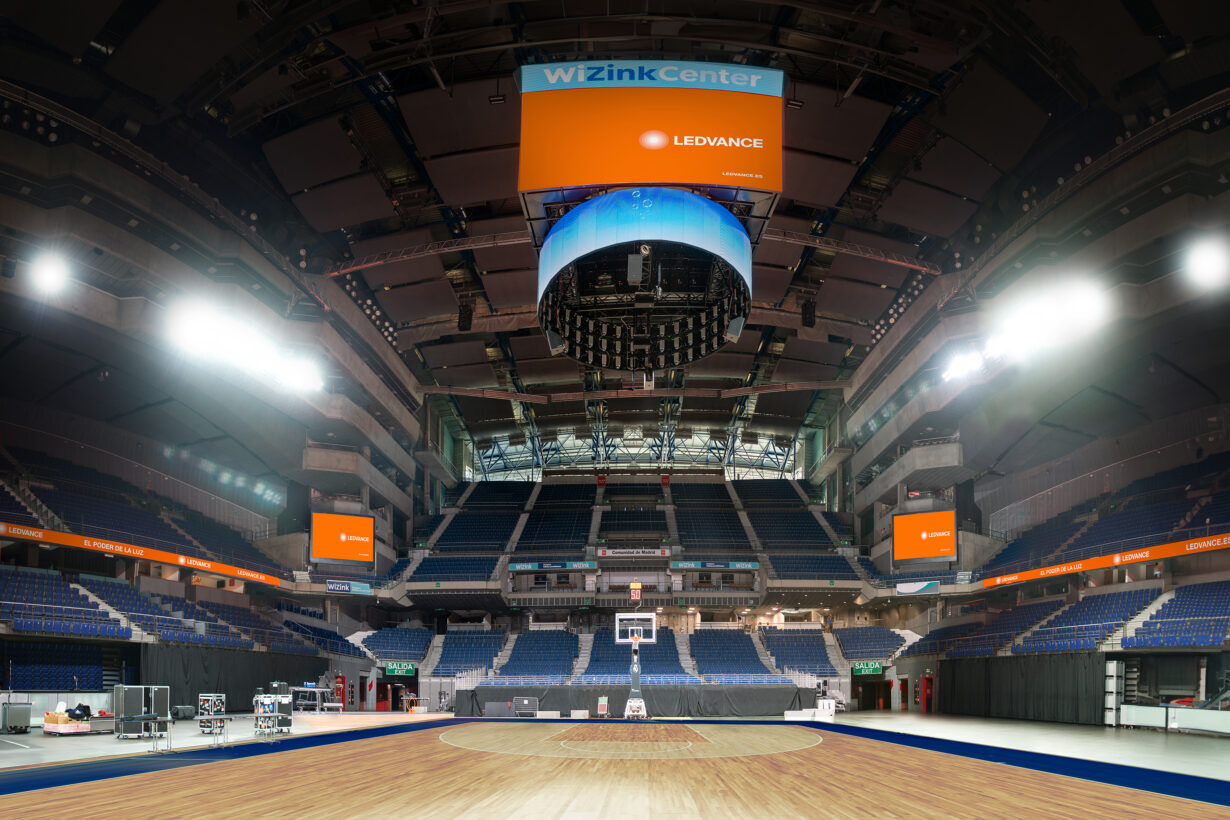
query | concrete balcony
[829, 464]
[926, 467]
[436, 466]
[346, 472]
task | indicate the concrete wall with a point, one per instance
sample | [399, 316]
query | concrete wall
[1018, 502]
[290, 550]
[159, 586]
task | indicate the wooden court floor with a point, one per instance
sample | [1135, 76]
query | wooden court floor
[591, 770]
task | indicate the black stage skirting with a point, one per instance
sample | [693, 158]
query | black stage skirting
[661, 701]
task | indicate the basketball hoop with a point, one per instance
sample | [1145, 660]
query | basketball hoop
[636, 641]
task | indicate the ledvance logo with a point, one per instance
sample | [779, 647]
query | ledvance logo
[925, 535]
[655, 140]
[344, 537]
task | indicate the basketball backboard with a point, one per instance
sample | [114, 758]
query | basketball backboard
[631, 626]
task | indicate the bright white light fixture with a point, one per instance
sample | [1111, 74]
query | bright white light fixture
[962, 365]
[1050, 319]
[300, 375]
[1208, 263]
[203, 332]
[49, 273]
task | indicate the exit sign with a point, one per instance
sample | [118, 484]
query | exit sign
[399, 668]
[867, 667]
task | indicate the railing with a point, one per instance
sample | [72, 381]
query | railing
[210, 504]
[79, 524]
[1109, 548]
[26, 609]
[1189, 621]
[935, 440]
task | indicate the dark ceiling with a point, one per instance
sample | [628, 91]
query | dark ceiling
[353, 128]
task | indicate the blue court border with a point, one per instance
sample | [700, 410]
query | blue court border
[1189, 787]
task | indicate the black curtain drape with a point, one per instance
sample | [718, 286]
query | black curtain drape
[661, 701]
[1218, 672]
[193, 670]
[1064, 687]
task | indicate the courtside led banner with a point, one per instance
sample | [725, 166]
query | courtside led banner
[925, 535]
[650, 121]
[343, 537]
[1171, 550]
[68, 539]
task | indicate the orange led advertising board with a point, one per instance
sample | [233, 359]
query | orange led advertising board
[1134, 556]
[925, 535]
[68, 539]
[343, 538]
[650, 121]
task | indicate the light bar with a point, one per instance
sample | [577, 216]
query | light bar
[203, 332]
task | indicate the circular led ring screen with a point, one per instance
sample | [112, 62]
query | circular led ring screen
[644, 279]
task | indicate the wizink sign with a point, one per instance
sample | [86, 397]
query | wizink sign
[652, 74]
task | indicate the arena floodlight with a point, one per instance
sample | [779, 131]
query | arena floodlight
[49, 273]
[203, 332]
[962, 365]
[301, 376]
[1046, 320]
[1208, 263]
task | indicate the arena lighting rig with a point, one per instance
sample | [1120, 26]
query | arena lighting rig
[1034, 324]
[646, 185]
[208, 334]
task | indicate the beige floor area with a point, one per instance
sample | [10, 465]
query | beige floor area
[37, 748]
[1180, 752]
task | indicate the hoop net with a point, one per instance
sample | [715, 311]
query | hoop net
[636, 640]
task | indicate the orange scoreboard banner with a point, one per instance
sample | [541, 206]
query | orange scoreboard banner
[68, 539]
[925, 535]
[1171, 550]
[650, 121]
[337, 537]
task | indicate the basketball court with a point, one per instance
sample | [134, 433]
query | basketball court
[512, 768]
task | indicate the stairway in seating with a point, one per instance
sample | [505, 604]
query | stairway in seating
[1085, 525]
[1186, 520]
[911, 637]
[672, 525]
[448, 519]
[416, 558]
[826, 526]
[511, 546]
[356, 638]
[175, 526]
[137, 633]
[833, 647]
[432, 657]
[859, 569]
[683, 645]
[1114, 642]
[766, 658]
[585, 647]
[45, 515]
[752, 537]
[504, 654]
[1019, 637]
[798, 488]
